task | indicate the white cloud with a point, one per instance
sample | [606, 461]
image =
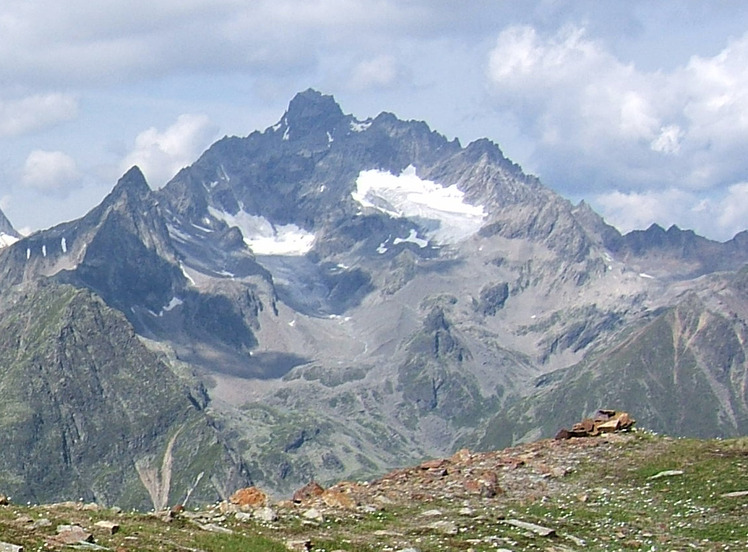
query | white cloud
[668, 144]
[732, 210]
[161, 154]
[718, 216]
[50, 171]
[669, 139]
[35, 112]
[567, 87]
[115, 41]
[378, 72]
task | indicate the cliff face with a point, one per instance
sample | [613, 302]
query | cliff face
[683, 371]
[86, 411]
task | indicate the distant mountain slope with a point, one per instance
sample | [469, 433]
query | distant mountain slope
[684, 372]
[87, 412]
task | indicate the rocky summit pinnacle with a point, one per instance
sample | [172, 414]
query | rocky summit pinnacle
[341, 296]
[132, 183]
[312, 109]
[6, 227]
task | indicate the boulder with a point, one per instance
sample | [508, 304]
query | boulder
[249, 497]
[308, 491]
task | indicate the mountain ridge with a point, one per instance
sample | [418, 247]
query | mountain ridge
[353, 295]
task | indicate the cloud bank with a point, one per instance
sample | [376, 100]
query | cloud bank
[644, 146]
[50, 171]
[161, 154]
[638, 107]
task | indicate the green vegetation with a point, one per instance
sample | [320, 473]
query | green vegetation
[636, 492]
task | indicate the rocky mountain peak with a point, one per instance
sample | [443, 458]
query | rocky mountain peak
[131, 184]
[6, 227]
[8, 234]
[311, 111]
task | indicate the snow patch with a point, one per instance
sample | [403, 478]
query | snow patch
[329, 137]
[185, 274]
[382, 249]
[645, 275]
[264, 237]
[286, 134]
[441, 211]
[44, 250]
[412, 238]
[175, 302]
[322, 188]
[360, 126]
[6, 240]
[64, 245]
[224, 175]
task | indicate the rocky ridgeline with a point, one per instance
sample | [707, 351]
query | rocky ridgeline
[616, 491]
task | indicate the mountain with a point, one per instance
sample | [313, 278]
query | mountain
[89, 412]
[8, 234]
[683, 371]
[350, 295]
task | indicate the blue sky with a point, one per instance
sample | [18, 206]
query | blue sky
[640, 108]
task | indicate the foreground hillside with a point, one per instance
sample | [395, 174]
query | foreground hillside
[622, 491]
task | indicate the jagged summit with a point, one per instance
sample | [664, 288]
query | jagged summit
[6, 227]
[8, 234]
[132, 185]
[312, 108]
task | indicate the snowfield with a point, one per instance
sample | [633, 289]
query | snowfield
[265, 238]
[440, 211]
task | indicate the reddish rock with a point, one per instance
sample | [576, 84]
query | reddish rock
[337, 499]
[485, 484]
[462, 456]
[308, 491]
[606, 421]
[433, 464]
[563, 434]
[110, 527]
[249, 497]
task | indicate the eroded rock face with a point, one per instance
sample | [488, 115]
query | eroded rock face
[86, 395]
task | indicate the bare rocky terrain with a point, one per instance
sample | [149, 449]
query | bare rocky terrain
[629, 490]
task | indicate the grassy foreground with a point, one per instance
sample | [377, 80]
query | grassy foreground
[636, 491]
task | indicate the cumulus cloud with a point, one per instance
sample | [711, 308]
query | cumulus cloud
[568, 89]
[719, 216]
[379, 72]
[35, 112]
[50, 171]
[161, 154]
[649, 143]
[111, 40]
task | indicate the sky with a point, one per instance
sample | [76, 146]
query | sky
[639, 108]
